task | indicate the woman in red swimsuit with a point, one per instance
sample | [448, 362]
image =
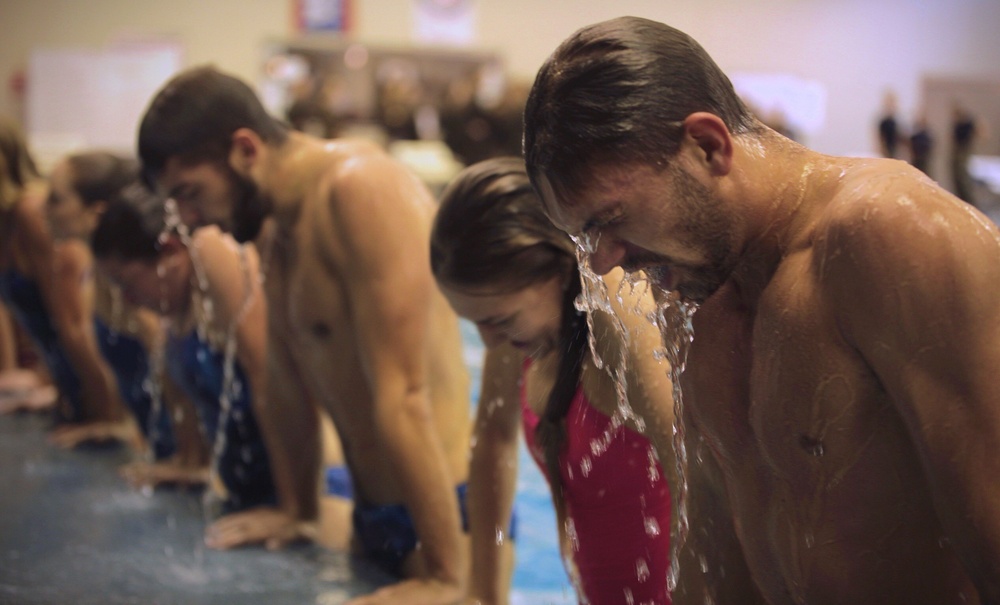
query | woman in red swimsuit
[502, 265]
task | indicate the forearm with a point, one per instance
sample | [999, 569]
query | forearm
[97, 381]
[8, 341]
[191, 447]
[712, 565]
[290, 429]
[415, 452]
[492, 484]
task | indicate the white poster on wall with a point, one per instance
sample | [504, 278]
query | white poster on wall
[449, 22]
[93, 98]
[778, 97]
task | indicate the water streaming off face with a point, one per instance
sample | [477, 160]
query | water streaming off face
[231, 388]
[673, 319]
[118, 322]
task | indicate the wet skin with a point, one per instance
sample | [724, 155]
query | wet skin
[839, 395]
[525, 323]
[357, 329]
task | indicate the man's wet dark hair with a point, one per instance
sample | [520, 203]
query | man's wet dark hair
[618, 91]
[194, 116]
[129, 229]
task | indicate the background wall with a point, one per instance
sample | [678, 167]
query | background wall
[857, 49]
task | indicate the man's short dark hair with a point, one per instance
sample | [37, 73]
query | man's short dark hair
[619, 91]
[194, 116]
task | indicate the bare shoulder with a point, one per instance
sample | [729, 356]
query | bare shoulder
[378, 211]
[212, 243]
[29, 213]
[627, 334]
[629, 323]
[885, 213]
[890, 239]
[362, 170]
[224, 262]
[71, 258]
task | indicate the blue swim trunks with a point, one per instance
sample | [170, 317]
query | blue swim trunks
[338, 482]
[387, 535]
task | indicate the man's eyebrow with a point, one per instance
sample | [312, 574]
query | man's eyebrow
[601, 217]
[176, 190]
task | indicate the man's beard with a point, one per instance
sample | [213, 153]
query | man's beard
[705, 227]
[250, 208]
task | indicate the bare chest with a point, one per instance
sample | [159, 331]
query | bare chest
[310, 313]
[779, 386]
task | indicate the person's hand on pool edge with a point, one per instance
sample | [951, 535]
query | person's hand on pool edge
[141, 474]
[271, 526]
[99, 432]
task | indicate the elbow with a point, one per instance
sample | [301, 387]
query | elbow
[409, 408]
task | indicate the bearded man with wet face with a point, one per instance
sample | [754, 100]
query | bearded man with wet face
[352, 309]
[840, 399]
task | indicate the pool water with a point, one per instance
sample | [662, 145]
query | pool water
[539, 575]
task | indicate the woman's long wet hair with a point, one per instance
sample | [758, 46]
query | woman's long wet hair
[99, 176]
[17, 168]
[491, 236]
[131, 226]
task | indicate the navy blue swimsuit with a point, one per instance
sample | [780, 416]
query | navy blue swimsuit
[130, 362]
[243, 464]
[24, 299]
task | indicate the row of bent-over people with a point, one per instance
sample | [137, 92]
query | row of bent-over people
[750, 372]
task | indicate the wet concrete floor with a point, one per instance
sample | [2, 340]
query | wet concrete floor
[71, 531]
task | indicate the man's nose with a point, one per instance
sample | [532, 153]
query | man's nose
[188, 215]
[607, 255]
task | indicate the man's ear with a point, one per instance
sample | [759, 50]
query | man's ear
[713, 140]
[244, 150]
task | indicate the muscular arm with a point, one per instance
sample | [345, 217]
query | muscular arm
[712, 566]
[493, 476]
[650, 408]
[711, 561]
[913, 283]
[8, 341]
[189, 463]
[287, 422]
[390, 295]
[69, 296]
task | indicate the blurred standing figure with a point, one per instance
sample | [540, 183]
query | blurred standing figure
[888, 127]
[921, 145]
[963, 138]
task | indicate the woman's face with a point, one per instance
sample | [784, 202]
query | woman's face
[528, 318]
[162, 285]
[68, 216]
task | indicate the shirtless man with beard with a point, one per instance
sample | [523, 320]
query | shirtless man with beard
[840, 396]
[356, 326]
